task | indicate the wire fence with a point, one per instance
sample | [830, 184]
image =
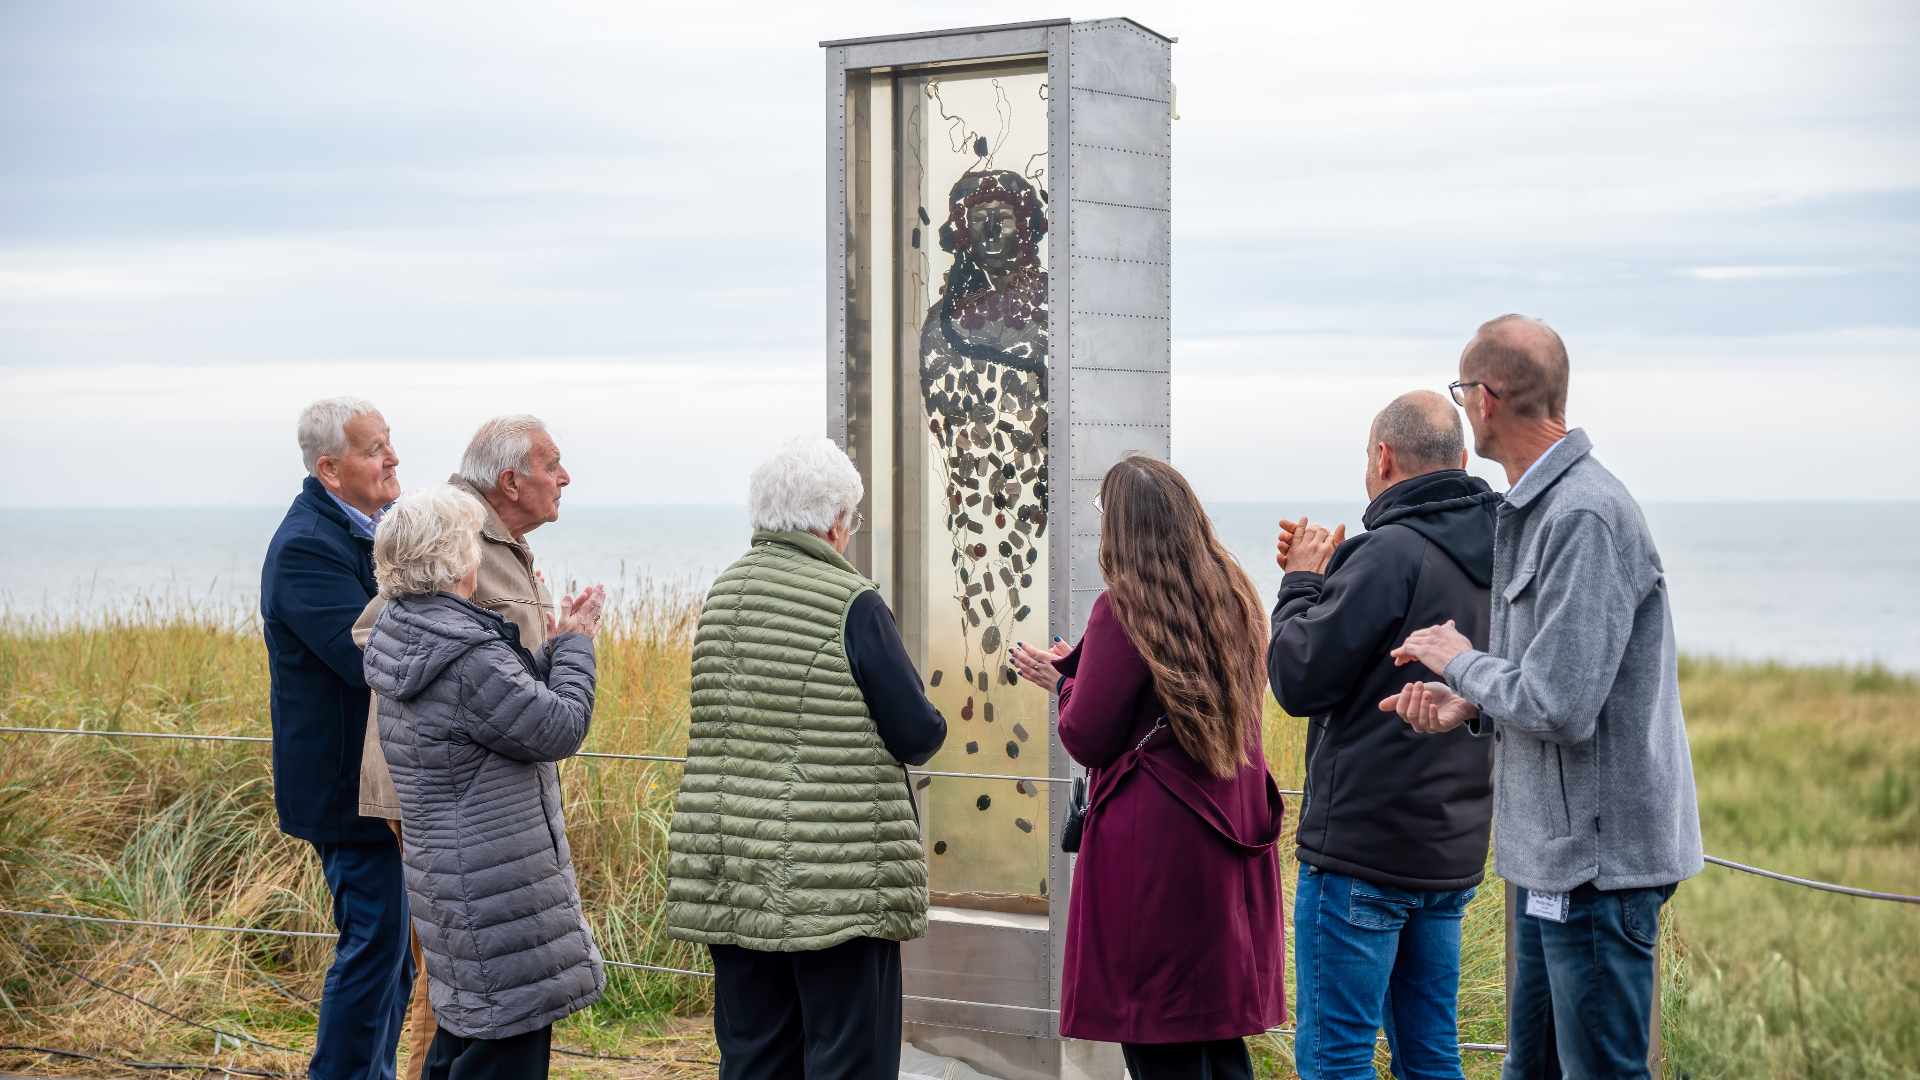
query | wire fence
[1288, 1032]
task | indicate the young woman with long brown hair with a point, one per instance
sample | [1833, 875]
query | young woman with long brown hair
[1174, 932]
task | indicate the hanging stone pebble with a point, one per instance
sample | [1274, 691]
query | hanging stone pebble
[939, 847]
[924, 781]
[1023, 824]
[966, 711]
[1020, 733]
[973, 748]
[983, 802]
[937, 676]
[1013, 749]
[988, 707]
[990, 640]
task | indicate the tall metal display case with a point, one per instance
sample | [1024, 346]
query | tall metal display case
[998, 303]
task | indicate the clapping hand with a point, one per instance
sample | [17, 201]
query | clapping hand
[1430, 708]
[1036, 666]
[1307, 547]
[579, 614]
[1434, 646]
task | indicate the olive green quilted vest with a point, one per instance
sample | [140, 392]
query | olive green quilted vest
[794, 828]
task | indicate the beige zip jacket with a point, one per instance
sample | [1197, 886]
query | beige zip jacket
[508, 588]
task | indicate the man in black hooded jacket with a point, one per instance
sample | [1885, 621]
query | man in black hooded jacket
[1393, 829]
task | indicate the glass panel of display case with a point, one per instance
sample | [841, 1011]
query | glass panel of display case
[947, 384]
[972, 281]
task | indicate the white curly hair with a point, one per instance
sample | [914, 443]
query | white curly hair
[428, 540]
[809, 485]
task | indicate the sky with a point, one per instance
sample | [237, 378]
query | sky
[611, 215]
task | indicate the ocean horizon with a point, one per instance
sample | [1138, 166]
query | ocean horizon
[1800, 583]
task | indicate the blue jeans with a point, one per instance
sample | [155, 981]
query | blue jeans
[1582, 994]
[363, 1003]
[1369, 956]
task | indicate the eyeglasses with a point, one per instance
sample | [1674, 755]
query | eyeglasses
[1098, 508]
[859, 519]
[1458, 399]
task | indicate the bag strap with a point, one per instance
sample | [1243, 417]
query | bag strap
[1182, 788]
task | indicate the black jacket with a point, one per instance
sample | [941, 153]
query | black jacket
[317, 577]
[1383, 803]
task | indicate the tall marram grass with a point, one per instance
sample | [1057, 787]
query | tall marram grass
[184, 831]
[1810, 771]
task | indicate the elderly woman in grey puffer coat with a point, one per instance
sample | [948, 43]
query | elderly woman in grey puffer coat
[472, 725]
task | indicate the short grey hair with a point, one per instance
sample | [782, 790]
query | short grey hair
[1423, 430]
[428, 540]
[323, 428]
[502, 443]
[807, 485]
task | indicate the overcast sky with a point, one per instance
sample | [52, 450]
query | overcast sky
[212, 212]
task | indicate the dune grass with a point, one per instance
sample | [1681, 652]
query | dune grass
[1810, 771]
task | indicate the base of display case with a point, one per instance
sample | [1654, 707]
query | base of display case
[1020, 1057]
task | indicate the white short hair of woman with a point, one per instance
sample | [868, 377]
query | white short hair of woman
[323, 428]
[428, 540]
[502, 443]
[807, 485]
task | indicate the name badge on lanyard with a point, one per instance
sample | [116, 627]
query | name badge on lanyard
[1551, 906]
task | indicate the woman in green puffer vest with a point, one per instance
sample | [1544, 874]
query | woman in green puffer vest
[795, 853]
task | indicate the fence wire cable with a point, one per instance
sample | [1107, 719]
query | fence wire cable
[23, 943]
[149, 1064]
[1899, 898]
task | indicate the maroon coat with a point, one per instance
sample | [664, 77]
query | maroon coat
[1176, 929]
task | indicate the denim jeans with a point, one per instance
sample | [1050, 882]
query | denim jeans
[1370, 956]
[1582, 995]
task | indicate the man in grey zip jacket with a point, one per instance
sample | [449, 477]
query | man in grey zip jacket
[1594, 811]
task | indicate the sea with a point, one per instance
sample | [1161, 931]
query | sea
[1802, 583]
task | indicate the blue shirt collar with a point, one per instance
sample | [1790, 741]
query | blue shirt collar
[362, 524]
[1536, 464]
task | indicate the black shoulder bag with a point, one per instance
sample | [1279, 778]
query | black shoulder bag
[1077, 802]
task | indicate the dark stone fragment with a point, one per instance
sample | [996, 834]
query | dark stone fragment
[949, 382]
[983, 682]
[999, 503]
[1021, 615]
[924, 219]
[1013, 749]
[923, 782]
[974, 589]
[1012, 676]
[916, 238]
[969, 674]
[1023, 824]
[1043, 888]
[1020, 732]
[974, 526]
[937, 676]
[966, 712]
[1006, 549]
[1020, 786]
[989, 641]
[979, 551]
[989, 708]
[992, 392]
[1026, 581]
[973, 748]
[1019, 569]
[983, 801]
[939, 847]
[973, 617]
[980, 150]
[1006, 576]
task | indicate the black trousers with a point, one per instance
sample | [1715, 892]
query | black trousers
[830, 1014]
[1221, 1059]
[522, 1057]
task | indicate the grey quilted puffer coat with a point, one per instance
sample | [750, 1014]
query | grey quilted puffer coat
[472, 725]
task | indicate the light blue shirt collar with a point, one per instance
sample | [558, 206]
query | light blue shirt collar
[362, 524]
[1535, 465]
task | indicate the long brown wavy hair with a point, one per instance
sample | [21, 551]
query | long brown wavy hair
[1188, 607]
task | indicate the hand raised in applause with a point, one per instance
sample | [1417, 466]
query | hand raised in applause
[579, 614]
[1430, 708]
[1307, 547]
[1036, 666]
[1434, 646]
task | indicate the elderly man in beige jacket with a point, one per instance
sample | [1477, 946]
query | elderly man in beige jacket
[513, 468]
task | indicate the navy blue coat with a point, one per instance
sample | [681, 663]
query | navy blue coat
[317, 579]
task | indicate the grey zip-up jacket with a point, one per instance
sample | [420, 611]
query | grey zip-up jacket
[472, 725]
[1580, 688]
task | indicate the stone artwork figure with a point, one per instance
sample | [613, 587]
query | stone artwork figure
[983, 376]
